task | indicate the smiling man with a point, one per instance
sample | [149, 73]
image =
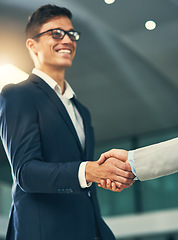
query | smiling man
[49, 140]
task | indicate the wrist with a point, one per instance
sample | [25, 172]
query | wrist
[89, 172]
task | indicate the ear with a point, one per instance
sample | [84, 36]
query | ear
[32, 46]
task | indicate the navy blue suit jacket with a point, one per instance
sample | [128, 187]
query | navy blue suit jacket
[45, 153]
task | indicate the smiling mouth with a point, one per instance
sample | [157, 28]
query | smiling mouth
[68, 51]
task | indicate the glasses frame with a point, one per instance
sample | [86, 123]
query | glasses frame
[65, 32]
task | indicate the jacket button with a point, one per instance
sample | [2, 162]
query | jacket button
[89, 193]
[70, 190]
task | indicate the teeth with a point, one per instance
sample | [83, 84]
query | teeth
[64, 51]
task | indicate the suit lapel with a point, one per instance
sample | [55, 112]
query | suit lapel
[57, 102]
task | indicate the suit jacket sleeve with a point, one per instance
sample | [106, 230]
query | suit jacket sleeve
[21, 139]
[157, 160]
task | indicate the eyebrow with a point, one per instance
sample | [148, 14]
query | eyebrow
[71, 29]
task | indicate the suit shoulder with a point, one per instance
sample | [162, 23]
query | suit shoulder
[19, 90]
[16, 95]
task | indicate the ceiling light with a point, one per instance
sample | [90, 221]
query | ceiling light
[150, 25]
[11, 74]
[109, 1]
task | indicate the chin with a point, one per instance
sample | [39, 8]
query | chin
[67, 65]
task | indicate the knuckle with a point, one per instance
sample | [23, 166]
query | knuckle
[125, 167]
[126, 181]
[122, 186]
[127, 174]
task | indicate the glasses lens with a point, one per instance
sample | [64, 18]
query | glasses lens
[74, 36]
[57, 34]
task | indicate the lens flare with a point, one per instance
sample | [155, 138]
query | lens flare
[109, 1]
[150, 25]
[11, 74]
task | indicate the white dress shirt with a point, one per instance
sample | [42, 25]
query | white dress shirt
[73, 113]
[131, 160]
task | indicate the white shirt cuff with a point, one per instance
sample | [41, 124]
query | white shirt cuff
[131, 161]
[81, 176]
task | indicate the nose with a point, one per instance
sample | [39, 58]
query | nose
[66, 38]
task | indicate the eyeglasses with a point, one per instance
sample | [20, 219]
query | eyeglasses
[58, 33]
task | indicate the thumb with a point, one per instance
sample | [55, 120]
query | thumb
[102, 159]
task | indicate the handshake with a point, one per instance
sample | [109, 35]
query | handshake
[112, 171]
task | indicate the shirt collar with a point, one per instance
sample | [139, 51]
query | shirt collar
[69, 93]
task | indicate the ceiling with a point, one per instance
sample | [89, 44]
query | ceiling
[126, 75]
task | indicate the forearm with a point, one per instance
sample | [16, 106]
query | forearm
[157, 160]
[42, 177]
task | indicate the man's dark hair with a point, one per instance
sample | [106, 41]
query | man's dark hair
[42, 15]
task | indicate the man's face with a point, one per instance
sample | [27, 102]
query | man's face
[55, 53]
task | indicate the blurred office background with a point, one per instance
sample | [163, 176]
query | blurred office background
[127, 76]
